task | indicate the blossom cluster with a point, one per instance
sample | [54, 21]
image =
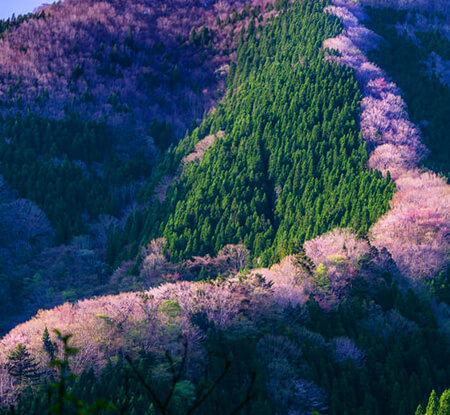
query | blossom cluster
[415, 230]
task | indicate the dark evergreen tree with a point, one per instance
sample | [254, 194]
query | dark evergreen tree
[22, 367]
[50, 346]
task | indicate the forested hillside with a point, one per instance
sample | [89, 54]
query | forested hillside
[87, 110]
[288, 256]
[76, 77]
[290, 166]
[413, 60]
[69, 168]
[423, 5]
[127, 61]
[239, 340]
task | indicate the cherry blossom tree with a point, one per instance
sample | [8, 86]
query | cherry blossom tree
[78, 52]
[415, 230]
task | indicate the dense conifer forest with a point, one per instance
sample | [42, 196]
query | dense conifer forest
[69, 168]
[291, 165]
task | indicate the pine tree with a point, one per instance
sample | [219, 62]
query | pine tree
[21, 366]
[419, 410]
[444, 403]
[50, 347]
[433, 404]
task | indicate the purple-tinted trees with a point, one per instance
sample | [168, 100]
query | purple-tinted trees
[415, 230]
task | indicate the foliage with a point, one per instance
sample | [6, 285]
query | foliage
[126, 61]
[428, 99]
[440, 286]
[8, 24]
[150, 385]
[22, 366]
[399, 355]
[291, 165]
[162, 134]
[436, 405]
[56, 164]
[272, 359]
[435, 41]
[414, 229]
[50, 346]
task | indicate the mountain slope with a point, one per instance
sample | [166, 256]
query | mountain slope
[118, 83]
[126, 61]
[335, 328]
[290, 166]
[75, 151]
[415, 230]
